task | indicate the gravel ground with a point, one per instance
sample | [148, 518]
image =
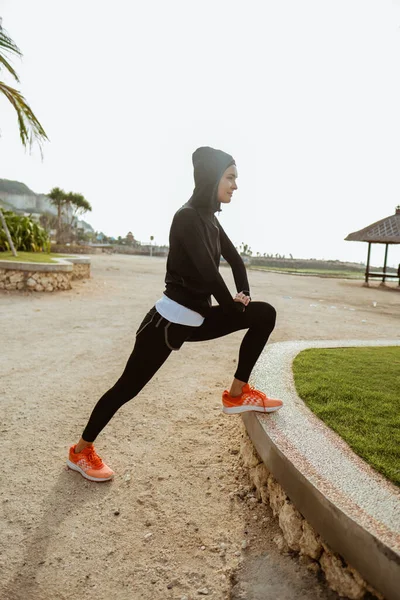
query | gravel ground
[173, 522]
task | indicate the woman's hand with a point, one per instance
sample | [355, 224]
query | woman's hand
[240, 297]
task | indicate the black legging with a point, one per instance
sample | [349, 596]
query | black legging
[157, 337]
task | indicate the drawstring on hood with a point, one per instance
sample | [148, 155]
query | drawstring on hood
[209, 165]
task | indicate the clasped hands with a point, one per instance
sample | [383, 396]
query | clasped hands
[241, 297]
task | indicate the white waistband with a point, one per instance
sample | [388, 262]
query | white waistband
[176, 313]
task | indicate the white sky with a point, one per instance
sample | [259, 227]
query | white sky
[305, 95]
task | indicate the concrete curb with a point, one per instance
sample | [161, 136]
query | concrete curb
[354, 509]
[61, 265]
[77, 260]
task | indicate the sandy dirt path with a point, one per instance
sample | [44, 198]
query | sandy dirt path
[175, 454]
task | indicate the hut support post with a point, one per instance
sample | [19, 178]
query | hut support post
[385, 263]
[368, 258]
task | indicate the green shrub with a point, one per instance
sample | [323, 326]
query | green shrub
[27, 235]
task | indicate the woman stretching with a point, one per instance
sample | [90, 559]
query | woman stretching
[185, 314]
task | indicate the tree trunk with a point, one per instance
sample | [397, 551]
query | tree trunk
[3, 221]
[58, 223]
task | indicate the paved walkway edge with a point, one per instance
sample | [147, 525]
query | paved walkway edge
[323, 503]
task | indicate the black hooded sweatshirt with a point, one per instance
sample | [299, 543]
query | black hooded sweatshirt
[197, 241]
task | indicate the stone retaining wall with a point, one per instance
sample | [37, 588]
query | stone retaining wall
[35, 280]
[43, 277]
[81, 271]
[297, 534]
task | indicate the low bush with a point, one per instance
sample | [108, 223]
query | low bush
[26, 235]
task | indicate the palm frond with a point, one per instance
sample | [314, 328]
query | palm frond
[9, 68]
[29, 127]
[7, 45]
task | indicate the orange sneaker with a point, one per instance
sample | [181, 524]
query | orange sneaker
[250, 399]
[89, 464]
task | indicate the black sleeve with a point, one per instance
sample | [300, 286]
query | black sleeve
[232, 256]
[191, 237]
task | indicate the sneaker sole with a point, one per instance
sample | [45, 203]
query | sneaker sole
[234, 410]
[75, 467]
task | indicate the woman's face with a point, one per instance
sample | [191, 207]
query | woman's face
[227, 185]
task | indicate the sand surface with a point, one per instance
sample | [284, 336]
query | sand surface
[179, 476]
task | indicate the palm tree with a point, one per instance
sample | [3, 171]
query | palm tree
[78, 205]
[74, 203]
[59, 199]
[29, 127]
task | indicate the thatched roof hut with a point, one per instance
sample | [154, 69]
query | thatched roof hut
[386, 231]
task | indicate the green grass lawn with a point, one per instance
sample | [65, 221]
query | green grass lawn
[324, 272]
[38, 257]
[356, 392]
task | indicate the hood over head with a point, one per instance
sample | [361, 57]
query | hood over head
[209, 165]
